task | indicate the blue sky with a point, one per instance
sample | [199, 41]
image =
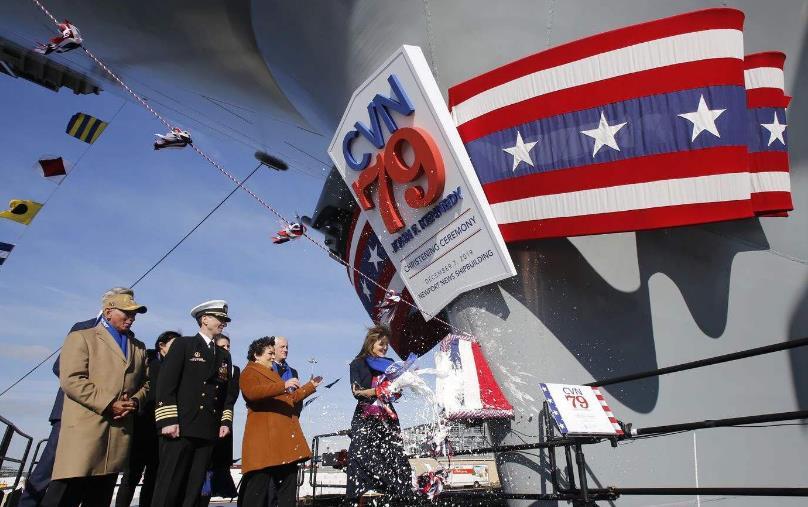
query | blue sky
[123, 206]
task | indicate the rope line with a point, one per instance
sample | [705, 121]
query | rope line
[32, 370]
[197, 226]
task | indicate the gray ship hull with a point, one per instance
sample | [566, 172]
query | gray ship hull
[588, 308]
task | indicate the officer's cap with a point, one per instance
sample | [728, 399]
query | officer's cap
[217, 308]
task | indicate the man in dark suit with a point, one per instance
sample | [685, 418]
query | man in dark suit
[39, 479]
[192, 390]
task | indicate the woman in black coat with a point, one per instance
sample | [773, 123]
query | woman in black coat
[143, 457]
[219, 480]
[376, 455]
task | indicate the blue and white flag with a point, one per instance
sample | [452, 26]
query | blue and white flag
[5, 251]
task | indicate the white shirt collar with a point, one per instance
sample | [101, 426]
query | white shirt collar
[206, 338]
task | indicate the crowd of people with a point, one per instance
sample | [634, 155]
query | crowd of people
[165, 415]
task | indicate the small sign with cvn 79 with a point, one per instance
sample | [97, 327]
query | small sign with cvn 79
[580, 410]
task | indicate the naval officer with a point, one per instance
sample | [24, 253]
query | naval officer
[192, 410]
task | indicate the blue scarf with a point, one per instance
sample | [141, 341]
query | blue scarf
[378, 363]
[116, 335]
[286, 375]
[287, 372]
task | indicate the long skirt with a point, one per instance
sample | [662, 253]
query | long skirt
[376, 458]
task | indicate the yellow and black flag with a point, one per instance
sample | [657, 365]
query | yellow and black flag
[21, 211]
[85, 127]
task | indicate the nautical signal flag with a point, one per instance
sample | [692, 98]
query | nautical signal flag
[85, 127]
[5, 251]
[52, 167]
[638, 128]
[21, 211]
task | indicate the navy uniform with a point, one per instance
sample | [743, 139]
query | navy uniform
[192, 391]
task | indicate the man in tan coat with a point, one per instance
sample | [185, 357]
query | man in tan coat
[103, 376]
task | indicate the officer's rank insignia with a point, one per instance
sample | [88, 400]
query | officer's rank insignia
[198, 357]
[197, 354]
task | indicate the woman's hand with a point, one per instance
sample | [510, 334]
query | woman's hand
[366, 393]
[292, 382]
[316, 381]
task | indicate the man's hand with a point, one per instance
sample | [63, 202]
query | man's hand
[292, 382]
[223, 431]
[122, 407]
[171, 431]
[316, 381]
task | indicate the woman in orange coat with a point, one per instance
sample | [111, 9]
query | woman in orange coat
[273, 442]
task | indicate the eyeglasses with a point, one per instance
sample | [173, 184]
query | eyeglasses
[131, 314]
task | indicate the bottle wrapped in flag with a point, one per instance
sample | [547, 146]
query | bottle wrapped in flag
[638, 128]
[768, 154]
[465, 386]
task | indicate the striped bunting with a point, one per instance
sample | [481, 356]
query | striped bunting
[85, 127]
[638, 128]
[767, 139]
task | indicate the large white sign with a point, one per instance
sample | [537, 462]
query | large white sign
[580, 410]
[399, 151]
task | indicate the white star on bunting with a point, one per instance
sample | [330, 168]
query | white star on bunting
[374, 258]
[703, 118]
[365, 290]
[776, 130]
[604, 134]
[521, 151]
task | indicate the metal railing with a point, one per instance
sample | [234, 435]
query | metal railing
[585, 496]
[8, 435]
